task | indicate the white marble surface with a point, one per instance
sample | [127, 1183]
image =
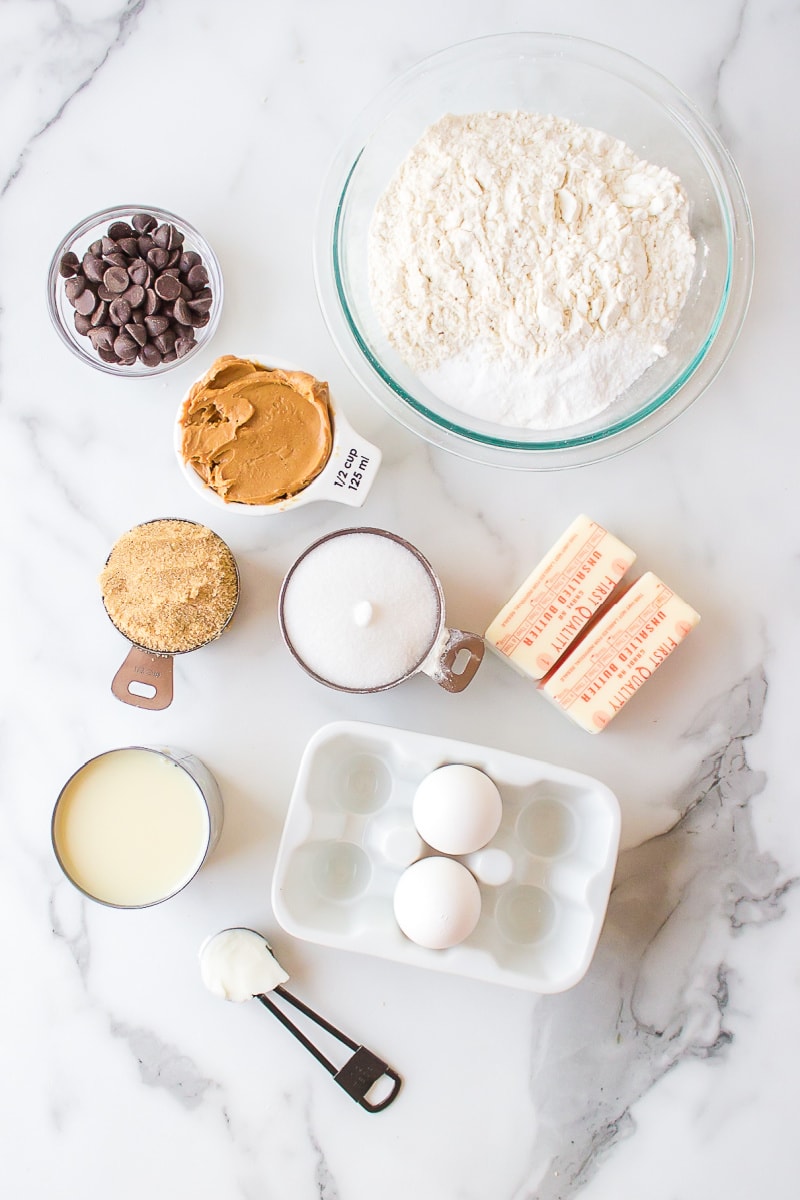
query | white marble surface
[673, 1070]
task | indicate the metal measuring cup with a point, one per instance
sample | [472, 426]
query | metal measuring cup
[452, 656]
[150, 668]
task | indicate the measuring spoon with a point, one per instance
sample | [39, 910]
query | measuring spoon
[238, 964]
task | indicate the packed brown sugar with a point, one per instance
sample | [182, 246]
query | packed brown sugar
[170, 585]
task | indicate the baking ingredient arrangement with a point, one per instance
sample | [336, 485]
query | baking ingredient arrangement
[531, 270]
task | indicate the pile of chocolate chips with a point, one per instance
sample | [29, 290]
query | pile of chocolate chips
[137, 293]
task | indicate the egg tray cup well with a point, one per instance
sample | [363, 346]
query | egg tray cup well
[334, 880]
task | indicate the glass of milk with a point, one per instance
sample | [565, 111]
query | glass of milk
[361, 610]
[133, 826]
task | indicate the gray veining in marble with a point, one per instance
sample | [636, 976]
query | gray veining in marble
[164, 1066]
[81, 51]
[659, 986]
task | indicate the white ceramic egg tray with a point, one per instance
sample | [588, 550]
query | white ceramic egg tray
[349, 834]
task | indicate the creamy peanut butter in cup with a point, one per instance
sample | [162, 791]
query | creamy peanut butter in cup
[257, 440]
[256, 434]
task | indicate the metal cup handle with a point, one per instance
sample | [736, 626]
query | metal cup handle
[458, 658]
[153, 674]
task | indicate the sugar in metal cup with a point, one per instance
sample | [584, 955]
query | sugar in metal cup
[362, 610]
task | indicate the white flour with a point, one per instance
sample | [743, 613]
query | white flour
[529, 269]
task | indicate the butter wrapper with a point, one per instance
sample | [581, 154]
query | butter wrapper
[626, 646]
[558, 599]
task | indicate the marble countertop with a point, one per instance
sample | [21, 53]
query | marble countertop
[673, 1068]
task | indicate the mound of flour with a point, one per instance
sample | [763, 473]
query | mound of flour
[527, 268]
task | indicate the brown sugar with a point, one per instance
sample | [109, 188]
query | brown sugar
[170, 585]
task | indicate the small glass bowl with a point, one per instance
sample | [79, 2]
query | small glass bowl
[594, 86]
[78, 241]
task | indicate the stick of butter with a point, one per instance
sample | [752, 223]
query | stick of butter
[546, 614]
[593, 683]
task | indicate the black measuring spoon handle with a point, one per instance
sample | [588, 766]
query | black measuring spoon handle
[360, 1072]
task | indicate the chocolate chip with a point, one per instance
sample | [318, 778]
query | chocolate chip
[120, 229]
[137, 332]
[174, 257]
[137, 316]
[129, 246]
[143, 222]
[200, 319]
[68, 265]
[134, 295]
[197, 278]
[116, 260]
[182, 312]
[161, 236]
[165, 341]
[169, 357]
[107, 356]
[96, 248]
[93, 268]
[189, 259]
[105, 294]
[157, 258]
[152, 304]
[150, 356]
[167, 287]
[156, 325]
[102, 338]
[119, 311]
[138, 271]
[184, 345]
[100, 314]
[125, 346]
[73, 288]
[85, 303]
[145, 243]
[116, 279]
[200, 304]
[109, 246]
[82, 324]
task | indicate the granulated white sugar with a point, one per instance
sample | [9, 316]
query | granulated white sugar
[360, 610]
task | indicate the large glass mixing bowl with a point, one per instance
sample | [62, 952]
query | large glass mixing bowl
[594, 86]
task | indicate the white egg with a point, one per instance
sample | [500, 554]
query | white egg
[437, 902]
[457, 809]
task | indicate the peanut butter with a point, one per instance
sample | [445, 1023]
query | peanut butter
[256, 434]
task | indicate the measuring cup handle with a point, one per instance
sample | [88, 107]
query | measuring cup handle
[153, 674]
[458, 641]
